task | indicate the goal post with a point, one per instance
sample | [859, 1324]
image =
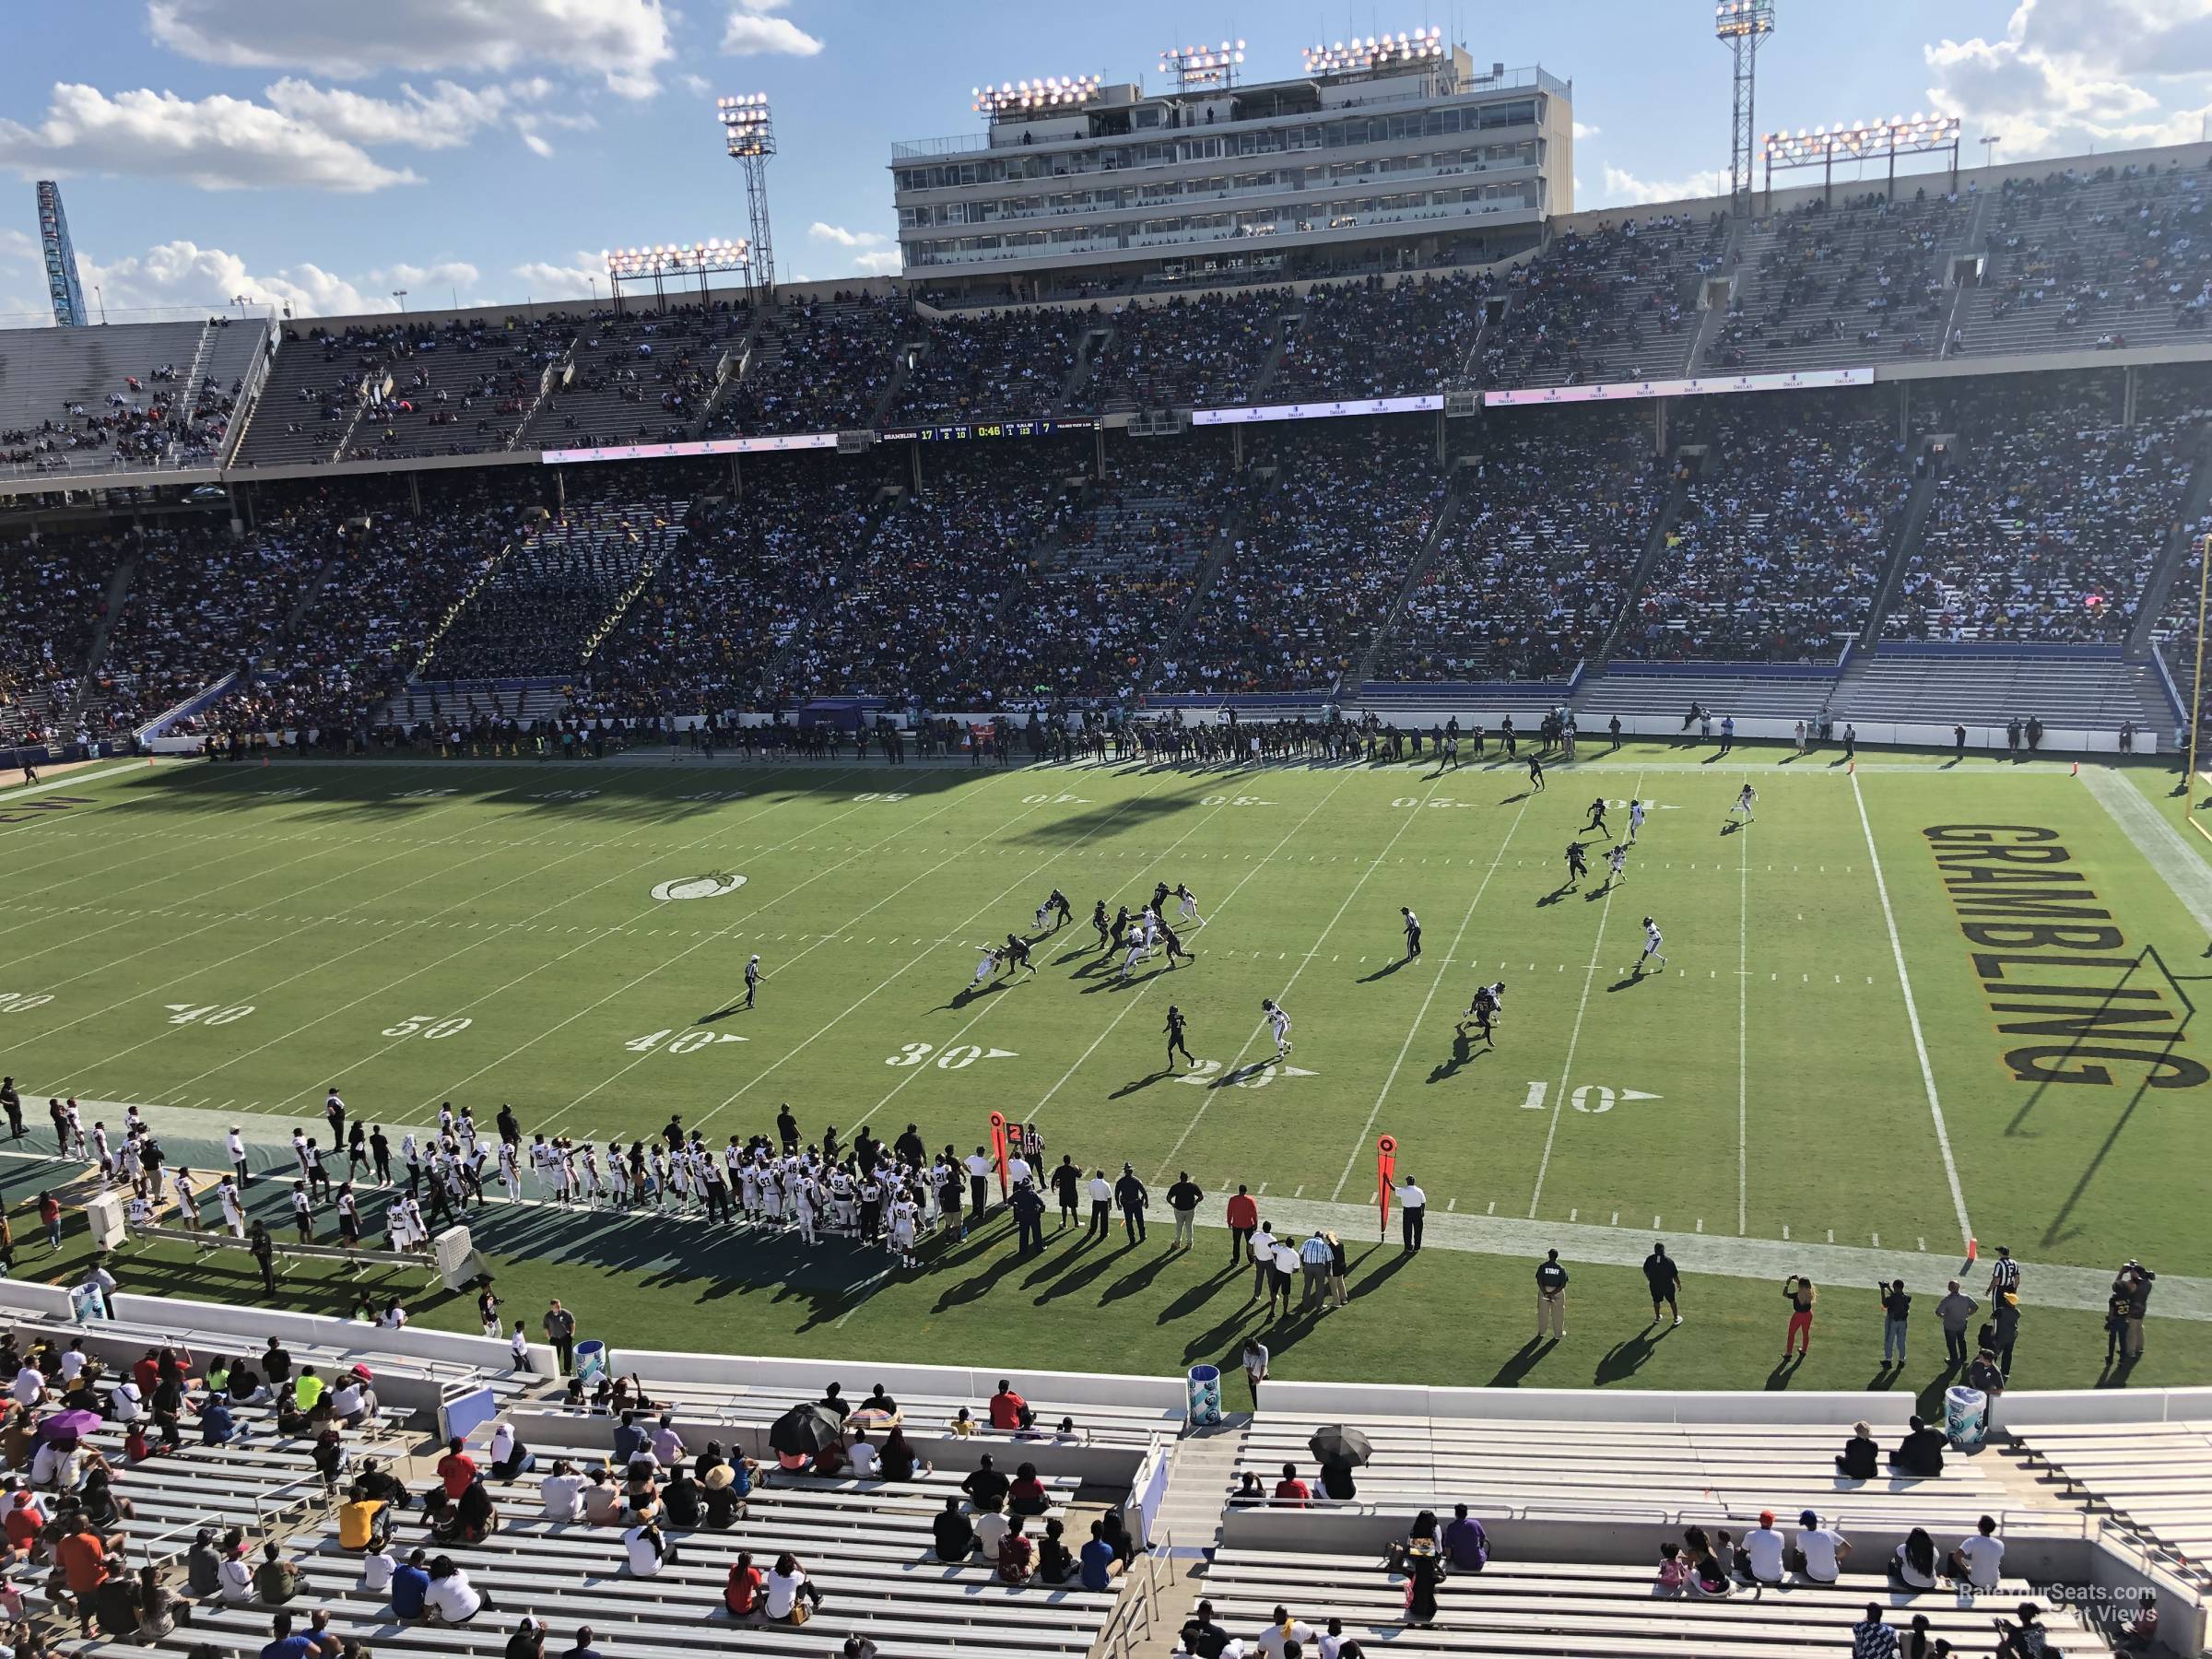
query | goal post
[2193, 796]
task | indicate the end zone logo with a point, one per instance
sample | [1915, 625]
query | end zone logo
[2054, 967]
[713, 884]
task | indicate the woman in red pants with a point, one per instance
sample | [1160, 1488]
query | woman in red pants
[1799, 1293]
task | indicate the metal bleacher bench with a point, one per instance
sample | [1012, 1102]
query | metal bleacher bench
[206, 1239]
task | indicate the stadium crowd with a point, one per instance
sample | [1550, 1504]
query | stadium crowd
[821, 366]
[935, 617]
[55, 595]
[1528, 576]
[1328, 549]
[1130, 561]
[1780, 545]
[1829, 284]
[1366, 340]
[1204, 352]
[1614, 304]
[981, 365]
[734, 592]
[2047, 522]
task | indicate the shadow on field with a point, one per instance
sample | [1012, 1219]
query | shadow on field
[377, 796]
[1131, 813]
[1464, 1053]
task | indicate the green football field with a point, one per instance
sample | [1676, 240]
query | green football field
[1905, 1005]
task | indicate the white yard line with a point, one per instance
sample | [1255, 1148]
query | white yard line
[1920, 1044]
[982, 841]
[1743, 1034]
[252, 878]
[210, 966]
[1436, 985]
[890, 1094]
[472, 898]
[1574, 1037]
[174, 872]
[2162, 846]
[952, 799]
[104, 851]
[1230, 1070]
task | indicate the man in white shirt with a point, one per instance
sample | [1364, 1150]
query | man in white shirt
[979, 1175]
[1979, 1559]
[377, 1568]
[866, 1466]
[1282, 1631]
[1824, 1548]
[562, 1493]
[647, 1551]
[1762, 1547]
[29, 1386]
[234, 1143]
[990, 1529]
[1282, 1273]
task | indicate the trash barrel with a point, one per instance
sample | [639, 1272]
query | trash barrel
[1205, 1385]
[593, 1360]
[1965, 1417]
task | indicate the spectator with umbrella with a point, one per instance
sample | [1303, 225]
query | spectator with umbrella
[801, 1433]
[1339, 1451]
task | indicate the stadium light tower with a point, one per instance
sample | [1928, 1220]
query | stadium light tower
[660, 261]
[748, 133]
[62, 285]
[1200, 68]
[1744, 26]
[1917, 135]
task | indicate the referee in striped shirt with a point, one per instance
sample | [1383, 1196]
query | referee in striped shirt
[2004, 1274]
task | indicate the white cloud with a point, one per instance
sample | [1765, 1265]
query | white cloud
[625, 41]
[881, 261]
[449, 116]
[16, 245]
[447, 273]
[843, 238]
[2067, 76]
[544, 279]
[754, 29]
[1624, 188]
[219, 143]
[1583, 129]
[699, 86]
[185, 274]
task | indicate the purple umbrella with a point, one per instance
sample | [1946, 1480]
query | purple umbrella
[66, 1427]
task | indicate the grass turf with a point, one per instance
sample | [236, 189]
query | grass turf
[1768, 1079]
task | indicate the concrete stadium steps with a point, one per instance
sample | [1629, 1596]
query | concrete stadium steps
[44, 371]
[1730, 1471]
[1648, 264]
[1742, 691]
[1132, 1427]
[2095, 693]
[461, 701]
[1592, 1612]
[1820, 271]
[2156, 1476]
[2081, 236]
[623, 366]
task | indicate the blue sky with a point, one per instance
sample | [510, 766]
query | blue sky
[326, 152]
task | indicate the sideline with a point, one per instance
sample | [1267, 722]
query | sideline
[2186, 876]
[1920, 1043]
[2044, 1285]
